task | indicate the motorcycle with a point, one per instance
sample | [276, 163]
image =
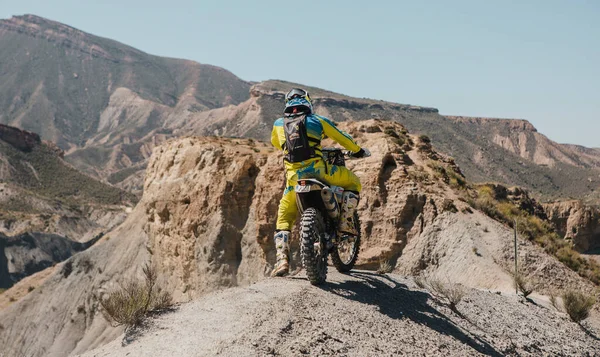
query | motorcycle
[320, 206]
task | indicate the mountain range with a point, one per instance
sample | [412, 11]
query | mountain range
[108, 105]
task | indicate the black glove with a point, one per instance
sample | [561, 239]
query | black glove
[360, 154]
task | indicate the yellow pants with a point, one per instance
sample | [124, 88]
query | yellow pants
[314, 168]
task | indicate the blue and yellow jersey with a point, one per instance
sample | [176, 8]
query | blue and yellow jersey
[317, 128]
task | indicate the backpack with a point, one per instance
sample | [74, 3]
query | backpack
[297, 142]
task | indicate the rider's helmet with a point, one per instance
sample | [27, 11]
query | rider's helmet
[297, 102]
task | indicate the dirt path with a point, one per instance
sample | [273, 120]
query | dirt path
[363, 314]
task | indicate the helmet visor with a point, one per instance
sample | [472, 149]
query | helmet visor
[295, 93]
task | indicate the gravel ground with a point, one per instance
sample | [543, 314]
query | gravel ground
[362, 314]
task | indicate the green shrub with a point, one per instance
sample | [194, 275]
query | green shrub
[424, 139]
[578, 305]
[456, 180]
[570, 258]
[391, 132]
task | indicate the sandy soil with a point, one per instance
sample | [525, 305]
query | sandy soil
[362, 314]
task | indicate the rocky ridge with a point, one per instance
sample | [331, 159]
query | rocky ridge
[206, 222]
[361, 314]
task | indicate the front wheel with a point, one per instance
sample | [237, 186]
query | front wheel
[312, 246]
[345, 253]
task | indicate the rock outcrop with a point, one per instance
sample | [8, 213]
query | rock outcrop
[577, 222]
[20, 139]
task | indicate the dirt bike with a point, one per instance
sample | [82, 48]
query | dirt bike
[320, 206]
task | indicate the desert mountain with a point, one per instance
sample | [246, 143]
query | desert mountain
[206, 220]
[48, 208]
[76, 89]
[108, 105]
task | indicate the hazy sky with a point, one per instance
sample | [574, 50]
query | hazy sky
[538, 60]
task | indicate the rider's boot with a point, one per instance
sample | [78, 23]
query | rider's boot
[282, 265]
[349, 204]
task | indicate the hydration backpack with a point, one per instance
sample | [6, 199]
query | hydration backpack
[297, 142]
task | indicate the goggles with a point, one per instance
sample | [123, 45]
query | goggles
[297, 93]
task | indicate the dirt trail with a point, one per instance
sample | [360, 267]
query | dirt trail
[362, 314]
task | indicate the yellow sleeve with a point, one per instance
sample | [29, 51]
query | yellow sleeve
[277, 126]
[338, 135]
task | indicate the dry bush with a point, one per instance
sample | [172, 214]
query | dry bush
[130, 304]
[456, 180]
[385, 267]
[525, 285]
[454, 293]
[578, 305]
[554, 301]
[420, 281]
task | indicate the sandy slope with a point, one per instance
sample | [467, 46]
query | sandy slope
[359, 315]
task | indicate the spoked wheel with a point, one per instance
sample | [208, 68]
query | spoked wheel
[312, 246]
[344, 255]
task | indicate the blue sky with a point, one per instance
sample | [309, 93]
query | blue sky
[537, 60]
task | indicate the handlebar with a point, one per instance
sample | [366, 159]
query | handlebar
[347, 154]
[334, 150]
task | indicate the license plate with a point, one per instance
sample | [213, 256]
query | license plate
[302, 189]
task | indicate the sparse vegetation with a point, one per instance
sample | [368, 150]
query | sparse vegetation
[447, 174]
[456, 180]
[420, 281]
[43, 173]
[418, 175]
[30, 289]
[391, 132]
[424, 139]
[2, 290]
[385, 267]
[578, 305]
[67, 269]
[396, 138]
[535, 229]
[85, 263]
[452, 293]
[132, 303]
[524, 284]
[554, 301]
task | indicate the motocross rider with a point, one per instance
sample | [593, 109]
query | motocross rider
[299, 134]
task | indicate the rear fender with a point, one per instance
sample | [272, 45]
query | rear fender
[308, 194]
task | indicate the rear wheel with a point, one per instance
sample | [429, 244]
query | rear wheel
[344, 255]
[312, 246]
